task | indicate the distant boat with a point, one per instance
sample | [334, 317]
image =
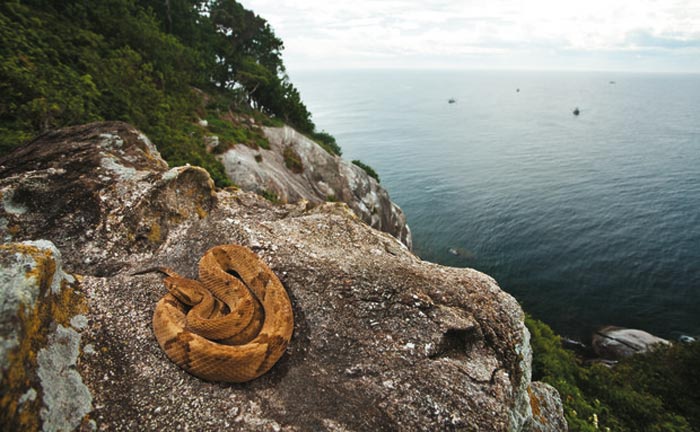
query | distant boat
[612, 82]
[517, 90]
[576, 111]
[451, 100]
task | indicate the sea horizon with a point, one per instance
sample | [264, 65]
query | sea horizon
[508, 181]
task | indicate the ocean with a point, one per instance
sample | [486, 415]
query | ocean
[587, 220]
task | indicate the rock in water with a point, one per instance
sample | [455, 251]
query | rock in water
[382, 339]
[614, 343]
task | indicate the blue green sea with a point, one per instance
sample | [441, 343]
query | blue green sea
[587, 220]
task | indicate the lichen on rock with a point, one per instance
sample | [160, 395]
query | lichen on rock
[66, 399]
[39, 380]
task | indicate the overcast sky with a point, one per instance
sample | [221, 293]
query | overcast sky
[630, 35]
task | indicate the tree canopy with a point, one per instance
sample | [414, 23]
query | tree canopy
[153, 63]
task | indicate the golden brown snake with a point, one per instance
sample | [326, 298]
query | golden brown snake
[232, 325]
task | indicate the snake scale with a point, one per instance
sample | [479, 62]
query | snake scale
[232, 325]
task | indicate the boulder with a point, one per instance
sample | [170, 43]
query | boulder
[382, 339]
[614, 343]
[319, 178]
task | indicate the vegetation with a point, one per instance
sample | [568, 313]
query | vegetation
[368, 169]
[658, 391]
[159, 64]
[292, 160]
[327, 141]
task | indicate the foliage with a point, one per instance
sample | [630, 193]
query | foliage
[368, 169]
[658, 391]
[327, 141]
[270, 196]
[231, 132]
[68, 62]
[292, 160]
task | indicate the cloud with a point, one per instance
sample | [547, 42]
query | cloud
[646, 39]
[409, 33]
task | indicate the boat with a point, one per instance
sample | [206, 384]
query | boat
[576, 111]
[451, 100]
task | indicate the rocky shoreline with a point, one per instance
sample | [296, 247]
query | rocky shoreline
[382, 339]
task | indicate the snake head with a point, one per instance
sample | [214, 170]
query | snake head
[187, 291]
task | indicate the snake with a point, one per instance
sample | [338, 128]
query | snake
[231, 325]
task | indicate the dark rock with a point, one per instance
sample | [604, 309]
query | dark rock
[382, 341]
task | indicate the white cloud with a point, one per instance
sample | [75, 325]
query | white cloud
[409, 33]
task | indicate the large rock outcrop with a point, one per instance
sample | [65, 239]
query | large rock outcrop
[382, 340]
[320, 177]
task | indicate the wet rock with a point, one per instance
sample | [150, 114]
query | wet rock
[323, 177]
[382, 340]
[614, 343]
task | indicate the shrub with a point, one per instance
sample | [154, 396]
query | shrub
[657, 391]
[292, 160]
[327, 142]
[368, 169]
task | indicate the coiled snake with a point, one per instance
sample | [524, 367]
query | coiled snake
[232, 325]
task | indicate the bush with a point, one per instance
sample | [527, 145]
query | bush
[292, 160]
[368, 169]
[327, 142]
[657, 391]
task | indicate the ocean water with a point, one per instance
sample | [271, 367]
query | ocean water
[587, 220]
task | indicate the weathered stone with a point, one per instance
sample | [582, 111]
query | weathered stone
[66, 399]
[615, 343]
[98, 191]
[382, 341]
[41, 388]
[547, 409]
[324, 177]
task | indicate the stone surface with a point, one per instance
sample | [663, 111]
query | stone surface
[614, 343]
[382, 340]
[547, 409]
[41, 387]
[324, 177]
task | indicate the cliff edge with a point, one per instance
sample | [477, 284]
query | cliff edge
[295, 168]
[382, 340]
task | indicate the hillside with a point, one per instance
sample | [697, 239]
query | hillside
[161, 66]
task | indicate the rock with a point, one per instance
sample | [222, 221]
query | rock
[382, 340]
[324, 177]
[614, 343]
[547, 409]
[39, 350]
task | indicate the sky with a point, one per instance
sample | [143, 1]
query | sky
[623, 35]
